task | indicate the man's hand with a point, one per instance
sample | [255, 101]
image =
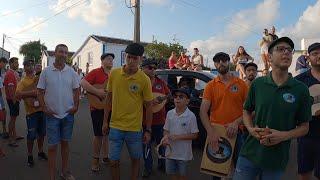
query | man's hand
[48, 111]
[275, 137]
[232, 129]
[101, 93]
[105, 128]
[146, 137]
[255, 132]
[73, 110]
[173, 137]
[165, 140]
[213, 140]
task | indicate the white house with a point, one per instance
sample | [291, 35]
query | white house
[94, 46]
[4, 53]
[47, 57]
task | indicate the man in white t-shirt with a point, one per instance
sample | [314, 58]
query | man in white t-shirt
[59, 96]
[179, 131]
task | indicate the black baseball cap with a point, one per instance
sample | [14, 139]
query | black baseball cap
[313, 47]
[182, 90]
[250, 64]
[282, 39]
[221, 55]
[107, 54]
[135, 49]
[147, 62]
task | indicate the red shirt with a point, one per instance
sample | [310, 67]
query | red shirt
[96, 76]
[10, 79]
[159, 86]
[172, 61]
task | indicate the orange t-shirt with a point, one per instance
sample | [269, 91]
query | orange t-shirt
[226, 99]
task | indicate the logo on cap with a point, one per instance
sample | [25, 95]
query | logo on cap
[288, 97]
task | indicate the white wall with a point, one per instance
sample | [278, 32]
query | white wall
[91, 46]
[118, 51]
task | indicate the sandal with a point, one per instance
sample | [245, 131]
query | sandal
[95, 167]
[13, 144]
[19, 138]
[105, 160]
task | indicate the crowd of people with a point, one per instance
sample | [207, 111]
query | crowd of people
[263, 114]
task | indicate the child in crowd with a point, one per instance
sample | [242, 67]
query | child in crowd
[179, 130]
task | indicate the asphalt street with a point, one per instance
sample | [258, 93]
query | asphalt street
[14, 166]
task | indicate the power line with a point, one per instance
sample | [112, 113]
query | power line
[47, 19]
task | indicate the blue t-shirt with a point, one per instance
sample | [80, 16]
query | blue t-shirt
[302, 63]
[314, 125]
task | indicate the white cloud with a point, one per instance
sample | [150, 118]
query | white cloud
[307, 26]
[239, 27]
[95, 12]
[32, 25]
[157, 2]
[7, 13]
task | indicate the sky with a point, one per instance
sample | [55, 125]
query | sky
[209, 25]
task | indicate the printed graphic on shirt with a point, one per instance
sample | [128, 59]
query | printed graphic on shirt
[288, 97]
[234, 88]
[134, 88]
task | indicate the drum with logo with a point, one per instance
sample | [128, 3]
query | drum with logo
[218, 163]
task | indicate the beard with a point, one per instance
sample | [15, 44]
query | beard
[223, 70]
[250, 77]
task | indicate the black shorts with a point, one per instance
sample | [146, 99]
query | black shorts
[13, 107]
[97, 117]
[309, 156]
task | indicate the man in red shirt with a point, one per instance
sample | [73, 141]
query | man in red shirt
[11, 80]
[98, 76]
[158, 86]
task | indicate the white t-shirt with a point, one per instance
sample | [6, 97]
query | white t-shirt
[59, 86]
[186, 123]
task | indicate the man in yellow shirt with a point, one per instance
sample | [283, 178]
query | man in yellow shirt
[129, 89]
[27, 90]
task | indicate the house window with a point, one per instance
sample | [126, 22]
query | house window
[90, 58]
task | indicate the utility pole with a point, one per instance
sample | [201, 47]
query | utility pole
[136, 6]
[3, 39]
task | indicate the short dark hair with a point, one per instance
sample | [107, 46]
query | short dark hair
[4, 60]
[60, 45]
[250, 64]
[27, 62]
[11, 60]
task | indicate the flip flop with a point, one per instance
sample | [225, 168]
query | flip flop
[95, 167]
[14, 144]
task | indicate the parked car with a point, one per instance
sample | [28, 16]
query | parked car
[200, 79]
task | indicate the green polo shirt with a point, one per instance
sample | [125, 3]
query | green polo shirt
[278, 107]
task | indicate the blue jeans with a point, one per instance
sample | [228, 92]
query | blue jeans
[59, 129]
[36, 125]
[132, 139]
[246, 170]
[157, 134]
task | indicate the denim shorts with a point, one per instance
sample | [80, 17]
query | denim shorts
[59, 129]
[133, 141]
[13, 107]
[176, 167]
[36, 125]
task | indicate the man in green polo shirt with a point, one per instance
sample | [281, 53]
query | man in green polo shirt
[282, 112]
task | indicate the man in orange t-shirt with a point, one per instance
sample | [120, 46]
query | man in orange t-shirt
[224, 96]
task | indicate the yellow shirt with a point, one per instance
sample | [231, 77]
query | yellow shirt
[128, 95]
[26, 84]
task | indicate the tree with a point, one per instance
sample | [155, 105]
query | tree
[162, 50]
[32, 50]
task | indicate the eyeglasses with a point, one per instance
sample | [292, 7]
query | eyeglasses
[283, 49]
[152, 67]
[179, 96]
[220, 60]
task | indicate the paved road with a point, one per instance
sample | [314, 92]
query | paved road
[13, 166]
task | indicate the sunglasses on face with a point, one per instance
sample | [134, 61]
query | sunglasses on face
[180, 96]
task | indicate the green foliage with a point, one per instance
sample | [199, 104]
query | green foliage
[160, 50]
[32, 50]
[69, 61]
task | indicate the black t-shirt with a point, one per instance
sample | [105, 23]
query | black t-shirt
[314, 125]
